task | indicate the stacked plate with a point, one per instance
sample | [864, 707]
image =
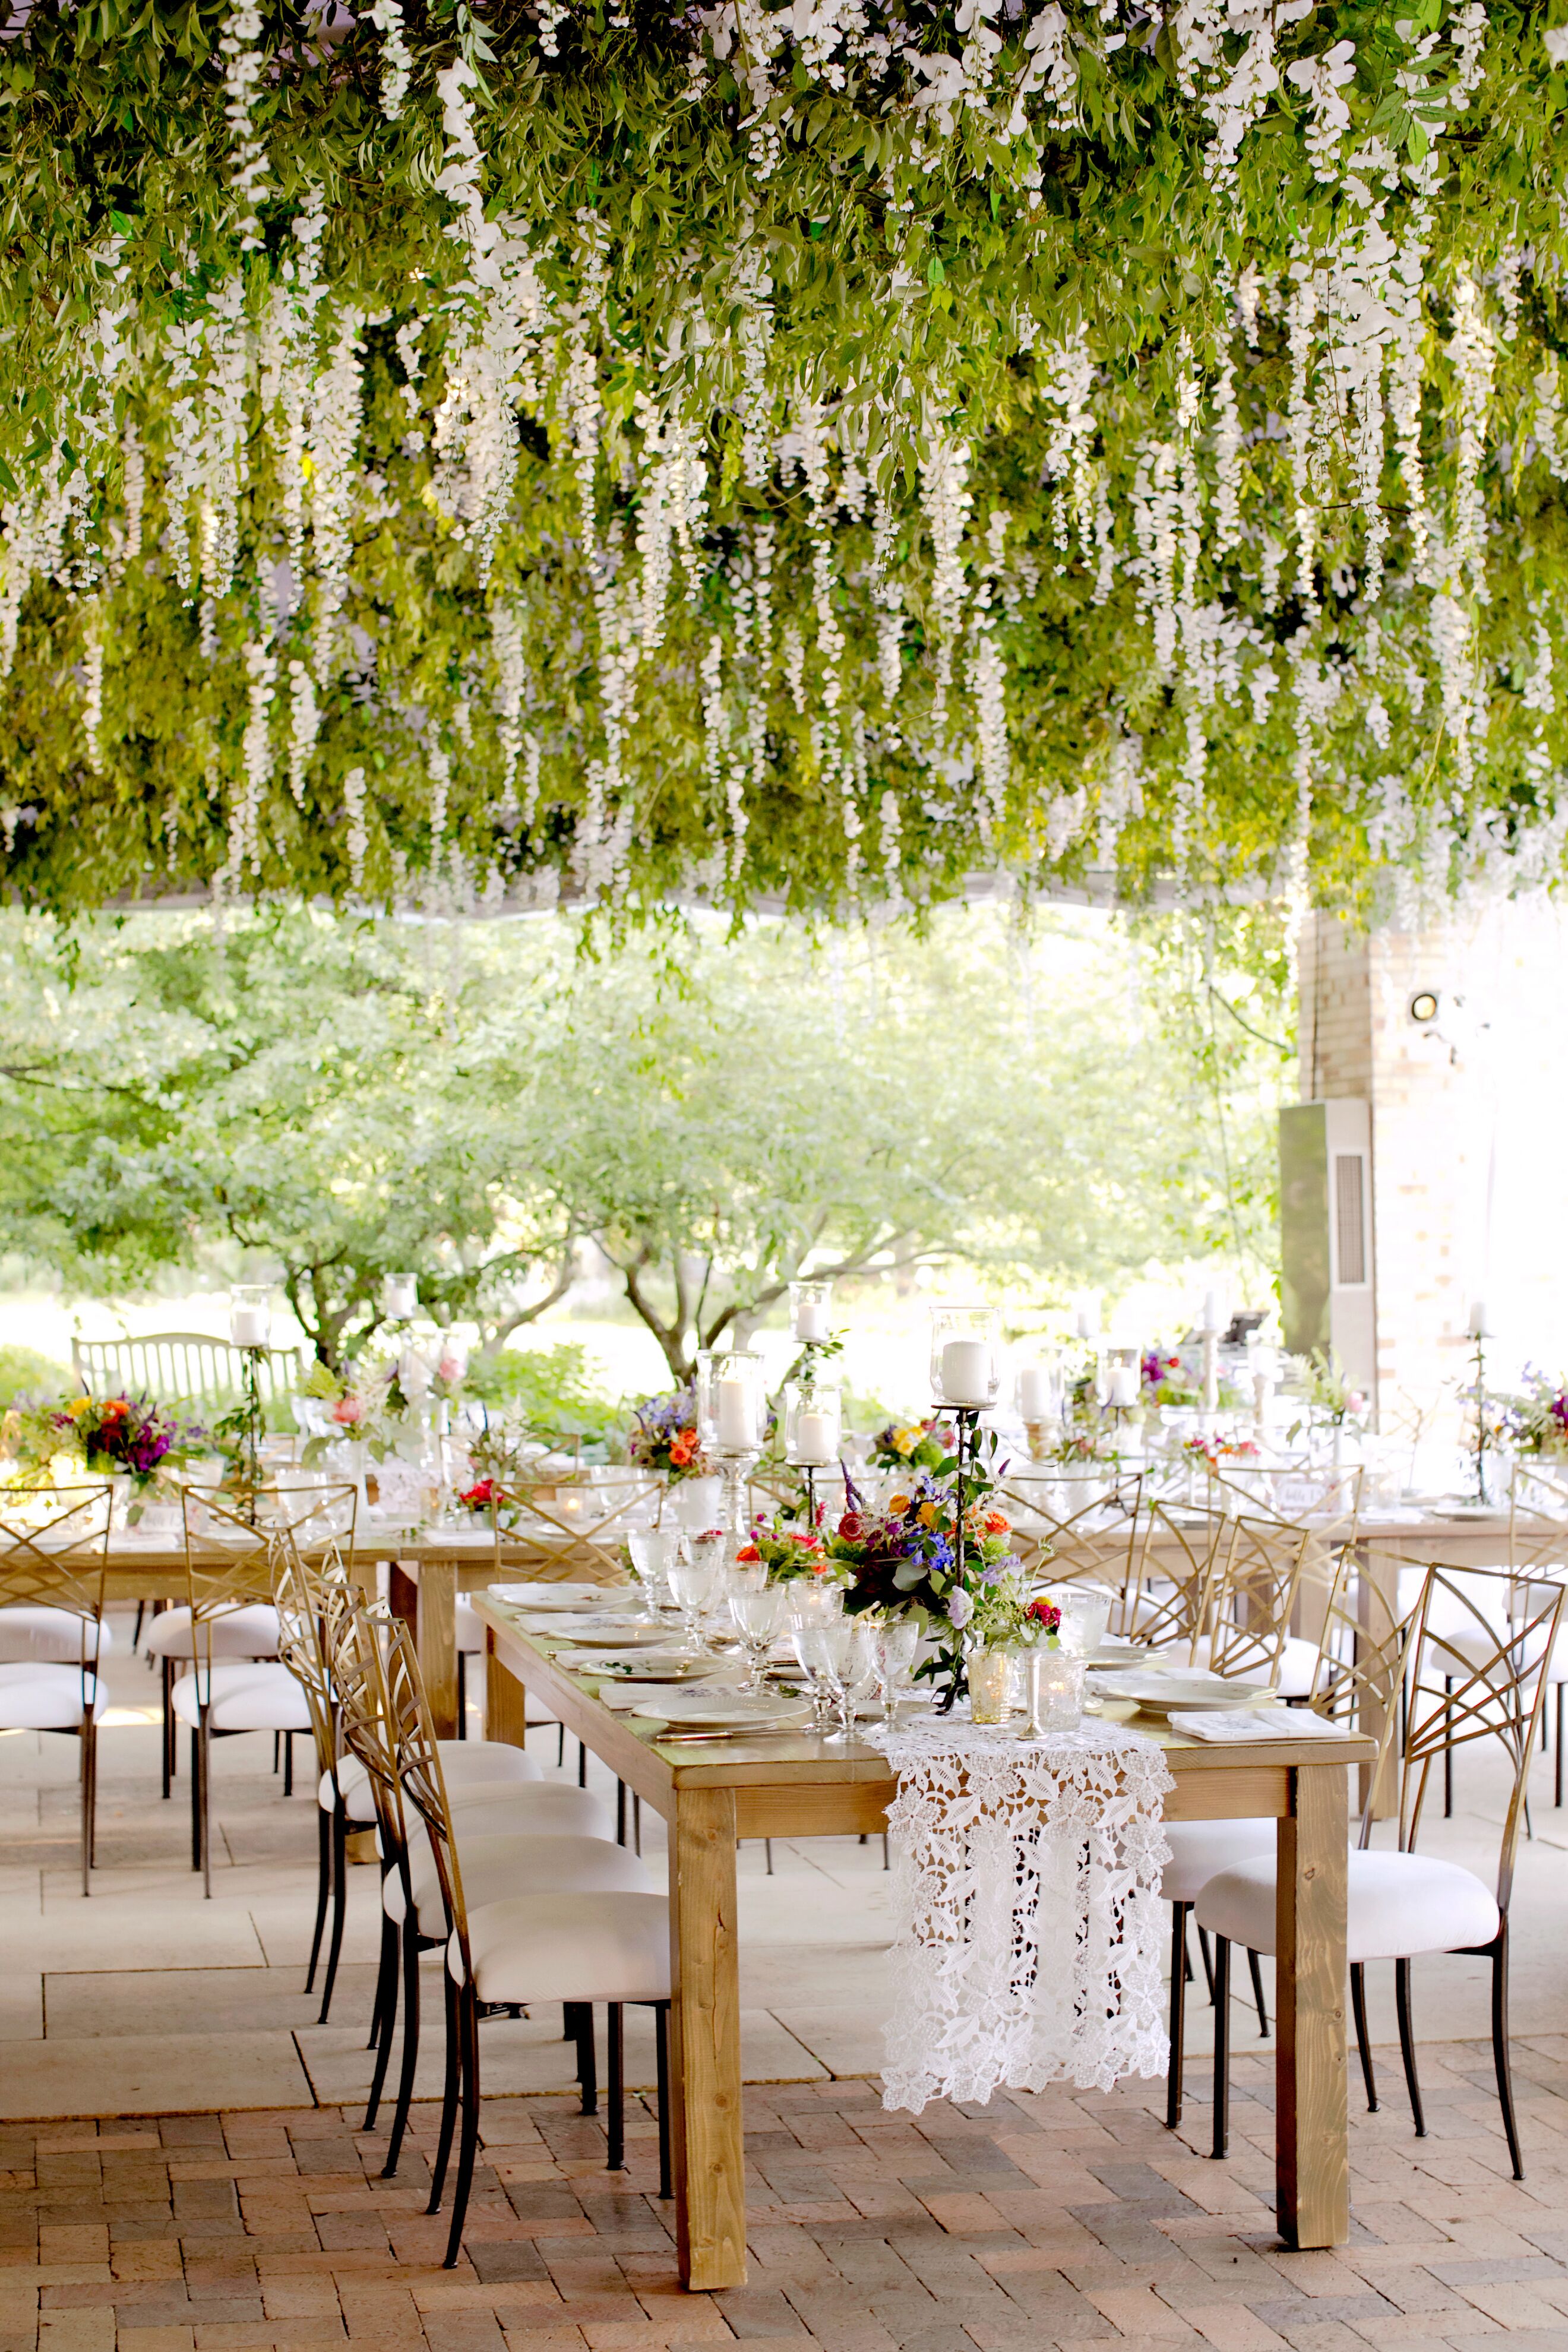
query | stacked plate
[1157, 1694]
[553, 1596]
[721, 1710]
[649, 1666]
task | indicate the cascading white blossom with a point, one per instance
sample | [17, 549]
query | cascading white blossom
[335, 399]
[1323, 79]
[355, 811]
[304, 726]
[512, 680]
[1538, 693]
[945, 500]
[256, 760]
[92, 688]
[1547, 423]
[245, 68]
[1472, 355]
[396, 59]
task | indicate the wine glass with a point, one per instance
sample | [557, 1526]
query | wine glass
[653, 1551]
[894, 1643]
[849, 1666]
[693, 1580]
[756, 1616]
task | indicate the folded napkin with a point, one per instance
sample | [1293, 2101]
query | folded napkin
[1257, 1723]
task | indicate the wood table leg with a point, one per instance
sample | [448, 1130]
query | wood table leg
[1312, 2146]
[705, 2041]
[505, 1701]
[1377, 1606]
[437, 1640]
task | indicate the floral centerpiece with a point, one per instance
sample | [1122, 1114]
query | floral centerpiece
[1537, 1419]
[664, 1436]
[1168, 1381]
[1076, 1449]
[913, 1445]
[941, 1552]
[1215, 1452]
[791, 1553]
[117, 1436]
[1325, 1390]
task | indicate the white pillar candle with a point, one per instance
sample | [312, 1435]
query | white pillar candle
[1123, 1386]
[810, 1320]
[249, 1327]
[736, 1420]
[1034, 1392]
[1481, 1319]
[399, 1297]
[815, 1438]
[1216, 1315]
[966, 1372]
[1088, 1323]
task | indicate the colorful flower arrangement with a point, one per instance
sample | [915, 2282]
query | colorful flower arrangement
[1215, 1451]
[1537, 1420]
[790, 1553]
[913, 1445]
[1076, 1448]
[130, 1435]
[1168, 1381]
[664, 1436]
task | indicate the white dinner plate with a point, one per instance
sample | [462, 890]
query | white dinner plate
[695, 1711]
[604, 1636]
[650, 1666]
[1129, 1654]
[551, 1596]
[1156, 1694]
[1463, 1511]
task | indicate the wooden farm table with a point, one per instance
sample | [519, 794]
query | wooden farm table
[795, 1785]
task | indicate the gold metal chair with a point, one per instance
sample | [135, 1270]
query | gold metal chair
[55, 1559]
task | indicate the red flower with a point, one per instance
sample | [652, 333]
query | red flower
[1047, 1614]
[748, 1552]
[477, 1496]
[851, 1526]
[995, 1525]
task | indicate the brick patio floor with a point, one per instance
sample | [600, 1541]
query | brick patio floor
[1035, 2221]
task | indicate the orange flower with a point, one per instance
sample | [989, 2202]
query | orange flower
[682, 1448]
[899, 1503]
[926, 1515]
[995, 1525]
[748, 1552]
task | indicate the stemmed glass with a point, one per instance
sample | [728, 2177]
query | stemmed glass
[653, 1551]
[848, 1653]
[756, 1616]
[814, 1610]
[894, 1644]
[693, 1580]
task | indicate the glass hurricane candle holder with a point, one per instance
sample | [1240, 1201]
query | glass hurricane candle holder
[734, 1419]
[813, 1426]
[809, 1306]
[399, 1297]
[249, 1315]
[965, 1356]
[1054, 1684]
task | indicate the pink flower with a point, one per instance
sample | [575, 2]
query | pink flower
[448, 1369]
[347, 1411]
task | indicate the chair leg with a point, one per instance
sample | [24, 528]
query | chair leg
[587, 2061]
[410, 2047]
[166, 1683]
[1178, 2012]
[560, 1747]
[1362, 2041]
[462, 1695]
[87, 1748]
[448, 2096]
[1561, 1688]
[615, 2086]
[582, 1764]
[207, 1807]
[662, 2060]
[887, 1858]
[339, 1902]
[1448, 1752]
[136, 1629]
[1499, 2045]
[1207, 1958]
[637, 1822]
[383, 2018]
[467, 2145]
[1408, 2043]
[276, 1751]
[1257, 1996]
[620, 1812]
[323, 1890]
[768, 1854]
[1221, 2046]
[287, 1763]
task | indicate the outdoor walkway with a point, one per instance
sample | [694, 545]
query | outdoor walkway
[1038, 2221]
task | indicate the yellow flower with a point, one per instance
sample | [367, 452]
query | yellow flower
[78, 1405]
[905, 1441]
[926, 1515]
[898, 1502]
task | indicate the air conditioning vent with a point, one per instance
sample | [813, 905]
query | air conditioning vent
[1350, 1219]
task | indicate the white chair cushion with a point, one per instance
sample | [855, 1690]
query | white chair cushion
[569, 1948]
[1298, 1667]
[495, 1867]
[251, 1632]
[547, 1810]
[1200, 1849]
[38, 1697]
[471, 1627]
[51, 1635]
[1396, 1905]
[255, 1697]
[494, 1763]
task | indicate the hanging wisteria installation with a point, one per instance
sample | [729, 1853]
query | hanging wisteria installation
[805, 453]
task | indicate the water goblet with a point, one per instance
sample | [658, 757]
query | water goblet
[653, 1551]
[693, 1580]
[756, 1616]
[851, 1656]
[895, 1641]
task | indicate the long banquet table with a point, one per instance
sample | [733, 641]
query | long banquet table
[795, 1785]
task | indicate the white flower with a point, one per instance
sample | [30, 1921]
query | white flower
[960, 1610]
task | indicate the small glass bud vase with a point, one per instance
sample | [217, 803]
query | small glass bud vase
[813, 1426]
[810, 1302]
[991, 1687]
[1055, 1689]
[965, 1356]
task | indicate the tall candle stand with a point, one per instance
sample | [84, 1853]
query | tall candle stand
[967, 1420]
[734, 1469]
[1480, 1416]
[252, 1423]
[1211, 1370]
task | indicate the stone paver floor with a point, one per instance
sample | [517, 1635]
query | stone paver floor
[1040, 2220]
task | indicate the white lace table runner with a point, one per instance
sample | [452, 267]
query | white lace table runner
[1025, 1885]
